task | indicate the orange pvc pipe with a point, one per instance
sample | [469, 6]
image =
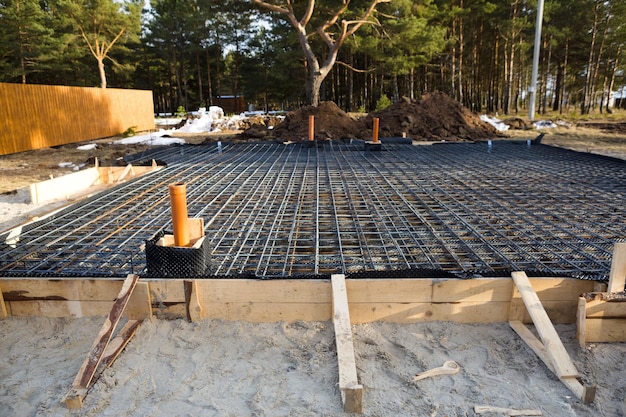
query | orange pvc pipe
[311, 127]
[178, 202]
[375, 130]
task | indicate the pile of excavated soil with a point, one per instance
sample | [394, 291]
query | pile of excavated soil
[435, 116]
[330, 123]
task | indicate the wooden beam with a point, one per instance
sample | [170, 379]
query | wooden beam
[550, 349]
[3, 307]
[96, 354]
[351, 390]
[563, 366]
[617, 276]
[486, 409]
[601, 318]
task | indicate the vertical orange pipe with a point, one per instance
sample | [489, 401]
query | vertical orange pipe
[311, 127]
[178, 202]
[375, 130]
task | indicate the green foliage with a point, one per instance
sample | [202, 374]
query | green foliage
[383, 102]
[181, 112]
[131, 131]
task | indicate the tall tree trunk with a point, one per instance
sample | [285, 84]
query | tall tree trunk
[199, 69]
[208, 78]
[461, 50]
[613, 73]
[585, 104]
[103, 76]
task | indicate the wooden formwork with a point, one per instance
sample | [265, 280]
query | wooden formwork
[403, 300]
[602, 314]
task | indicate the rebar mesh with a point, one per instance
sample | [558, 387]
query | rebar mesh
[274, 210]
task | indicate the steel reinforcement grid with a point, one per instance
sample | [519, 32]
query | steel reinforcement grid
[275, 211]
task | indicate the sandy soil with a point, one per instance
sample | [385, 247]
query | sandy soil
[216, 368]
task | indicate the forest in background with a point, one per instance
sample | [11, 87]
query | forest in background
[190, 51]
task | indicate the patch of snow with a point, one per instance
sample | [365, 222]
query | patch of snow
[160, 138]
[88, 147]
[66, 164]
[497, 123]
[544, 124]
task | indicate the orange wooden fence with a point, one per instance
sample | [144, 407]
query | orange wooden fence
[40, 116]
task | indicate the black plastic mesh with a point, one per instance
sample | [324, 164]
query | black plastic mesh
[176, 262]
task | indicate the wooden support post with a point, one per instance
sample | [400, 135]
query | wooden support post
[550, 349]
[104, 350]
[617, 276]
[3, 307]
[351, 390]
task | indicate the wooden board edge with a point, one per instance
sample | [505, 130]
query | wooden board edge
[4, 313]
[617, 275]
[351, 390]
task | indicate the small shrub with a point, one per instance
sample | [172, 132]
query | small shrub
[180, 111]
[131, 131]
[383, 102]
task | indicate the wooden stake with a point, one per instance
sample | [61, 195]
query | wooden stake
[617, 276]
[99, 352]
[351, 390]
[3, 307]
[550, 349]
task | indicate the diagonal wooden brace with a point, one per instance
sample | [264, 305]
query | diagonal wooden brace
[105, 349]
[550, 349]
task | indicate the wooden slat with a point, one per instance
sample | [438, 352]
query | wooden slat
[617, 276]
[585, 393]
[581, 320]
[263, 291]
[58, 309]
[462, 312]
[75, 289]
[74, 398]
[140, 303]
[351, 390]
[3, 307]
[563, 366]
[88, 368]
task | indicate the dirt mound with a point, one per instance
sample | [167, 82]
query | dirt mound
[516, 123]
[435, 116]
[330, 123]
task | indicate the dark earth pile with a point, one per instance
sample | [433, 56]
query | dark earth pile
[330, 123]
[434, 117]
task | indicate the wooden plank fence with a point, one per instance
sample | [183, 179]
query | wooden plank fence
[40, 116]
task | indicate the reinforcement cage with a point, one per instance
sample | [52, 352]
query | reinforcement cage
[276, 211]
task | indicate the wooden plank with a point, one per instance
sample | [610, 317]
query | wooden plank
[604, 330]
[617, 276]
[263, 291]
[581, 319]
[599, 305]
[264, 312]
[585, 393]
[119, 342]
[389, 290]
[351, 390]
[74, 289]
[3, 307]
[479, 289]
[194, 308]
[58, 309]
[483, 409]
[561, 361]
[74, 398]
[139, 305]
[89, 366]
[466, 312]
[64, 186]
